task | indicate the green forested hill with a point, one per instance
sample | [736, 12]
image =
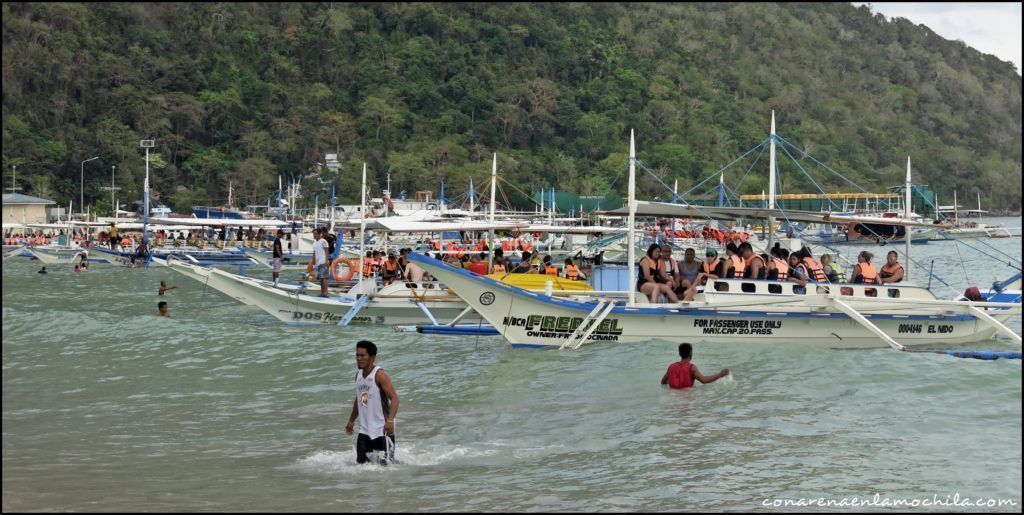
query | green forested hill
[245, 92]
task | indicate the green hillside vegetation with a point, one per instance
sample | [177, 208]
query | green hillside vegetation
[245, 92]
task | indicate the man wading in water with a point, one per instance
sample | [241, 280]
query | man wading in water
[376, 404]
[683, 373]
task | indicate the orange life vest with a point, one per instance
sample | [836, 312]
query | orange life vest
[368, 266]
[572, 272]
[498, 269]
[868, 274]
[781, 269]
[551, 270]
[889, 272]
[709, 268]
[738, 265]
[749, 261]
[815, 274]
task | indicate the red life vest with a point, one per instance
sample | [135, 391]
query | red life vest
[679, 375]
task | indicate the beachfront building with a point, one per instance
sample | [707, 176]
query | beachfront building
[26, 209]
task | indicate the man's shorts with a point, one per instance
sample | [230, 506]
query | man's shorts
[323, 272]
[277, 265]
[383, 449]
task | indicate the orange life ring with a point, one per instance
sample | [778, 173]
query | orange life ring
[348, 264]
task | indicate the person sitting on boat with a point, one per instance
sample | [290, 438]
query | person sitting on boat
[524, 265]
[892, 271]
[778, 265]
[535, 263]
[689, 268]
[572, 272]
[550, 268]
[865, 272]
[814, 270]
[651, 278]
[833, 270]
[498, 263]
[671, 268]
[754, 266]
[797, 273]
[414, 274]
[682, 373]
[971, 294]
[711, 268]
[389, 271]
[477, 265]
[734, 262]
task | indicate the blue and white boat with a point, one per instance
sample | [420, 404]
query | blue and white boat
[837, 315]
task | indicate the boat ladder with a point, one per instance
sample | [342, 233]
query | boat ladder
[589, 324]
[354, 310]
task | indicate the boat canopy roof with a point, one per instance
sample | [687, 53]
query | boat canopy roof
[663, 209]
[219, 222]
[393, 224]
[576, 229]
[137, 226]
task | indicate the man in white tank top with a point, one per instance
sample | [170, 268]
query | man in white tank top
[376, 404]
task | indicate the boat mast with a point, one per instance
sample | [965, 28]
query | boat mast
[906, 214]
[771, 184]
[362, 230]
[675, 195]
[490, 235]
[630, 251]
[956, 217]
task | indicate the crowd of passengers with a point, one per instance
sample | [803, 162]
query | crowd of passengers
[660, 274]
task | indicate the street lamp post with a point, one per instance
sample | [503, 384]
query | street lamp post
[81, 198]
[112, 189]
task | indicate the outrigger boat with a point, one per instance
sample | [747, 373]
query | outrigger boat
[773, 312]
[12, 251]
[299, 304]
[57, 255]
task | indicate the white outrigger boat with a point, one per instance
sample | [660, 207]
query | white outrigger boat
[833, 315]
[12, 251]
[836, 315]
[57, 254]
[300, 304]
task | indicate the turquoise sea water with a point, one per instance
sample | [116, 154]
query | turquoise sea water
[106, 407]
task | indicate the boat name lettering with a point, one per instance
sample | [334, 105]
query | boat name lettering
[544, 326]
[326, 317]
[919, 328]
[728, 326]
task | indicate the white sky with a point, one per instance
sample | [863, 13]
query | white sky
[990, 27]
